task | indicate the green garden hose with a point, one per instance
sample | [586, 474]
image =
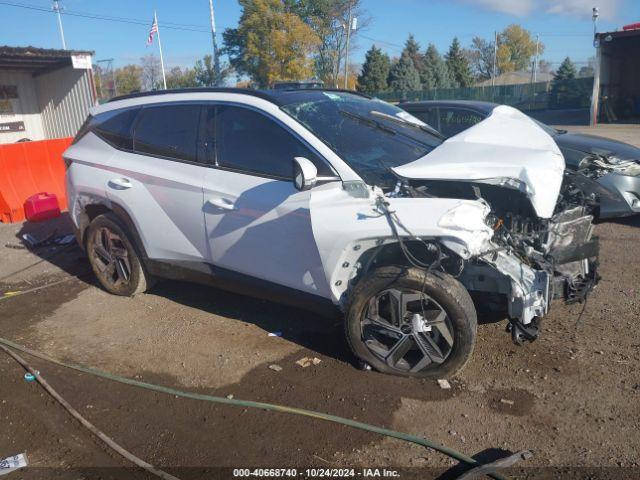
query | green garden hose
[260, 405]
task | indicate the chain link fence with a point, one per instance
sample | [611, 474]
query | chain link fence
[554, 95]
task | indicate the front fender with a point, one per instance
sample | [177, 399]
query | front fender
[344, 227]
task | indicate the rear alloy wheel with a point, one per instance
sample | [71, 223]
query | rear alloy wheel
[410, 322]
[113, 258]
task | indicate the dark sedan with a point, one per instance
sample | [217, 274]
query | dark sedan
[614, 165]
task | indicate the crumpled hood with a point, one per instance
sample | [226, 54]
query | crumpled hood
[506, 146]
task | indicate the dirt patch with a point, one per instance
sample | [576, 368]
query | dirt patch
[516, 402]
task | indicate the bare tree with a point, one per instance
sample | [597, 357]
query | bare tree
[480, 56]
[151, 72]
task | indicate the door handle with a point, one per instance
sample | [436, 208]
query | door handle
[222, 203]
[120, 183]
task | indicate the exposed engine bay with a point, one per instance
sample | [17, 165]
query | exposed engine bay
[595, 166]
[533, 259]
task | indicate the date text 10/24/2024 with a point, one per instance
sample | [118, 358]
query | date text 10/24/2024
[316, 472]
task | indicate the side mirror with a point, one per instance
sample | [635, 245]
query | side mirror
[305, 173]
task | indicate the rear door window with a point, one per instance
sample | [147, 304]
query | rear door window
[455, 120]
[115, 127]
[251, 142]
[169, 131]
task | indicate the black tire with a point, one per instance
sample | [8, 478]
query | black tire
[126, 274]
[443, 292]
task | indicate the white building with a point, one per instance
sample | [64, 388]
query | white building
[44, 94]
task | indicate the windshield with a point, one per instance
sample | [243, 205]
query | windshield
[371, 136]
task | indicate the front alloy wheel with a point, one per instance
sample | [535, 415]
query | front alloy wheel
[407, 329]
[407, 321]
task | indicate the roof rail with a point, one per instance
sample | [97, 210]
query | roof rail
[270, 95]
[245, 91]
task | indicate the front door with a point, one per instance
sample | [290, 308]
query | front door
[257, 223]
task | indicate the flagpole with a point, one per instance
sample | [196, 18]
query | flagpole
[164, 78]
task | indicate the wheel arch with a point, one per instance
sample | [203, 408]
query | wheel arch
[366, 256]
[93, 210]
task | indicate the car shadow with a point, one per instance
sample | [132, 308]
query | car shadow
[320, 333]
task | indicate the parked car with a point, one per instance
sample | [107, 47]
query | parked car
[328, 198]
[613, 166]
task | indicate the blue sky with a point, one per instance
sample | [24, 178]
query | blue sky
[564, 25]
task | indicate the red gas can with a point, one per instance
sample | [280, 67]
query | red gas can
[41, 206]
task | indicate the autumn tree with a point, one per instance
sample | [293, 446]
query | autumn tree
[270, 43]
[328, 19]
[515, 49]
[128, 79]
[458, 65]
[205, 72]
[375, 71]
[436, 73]
[403, 76]
[181, 78]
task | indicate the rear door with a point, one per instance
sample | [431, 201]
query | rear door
[157, 177]
[257, 223]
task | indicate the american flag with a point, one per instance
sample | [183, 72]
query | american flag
[153, 31]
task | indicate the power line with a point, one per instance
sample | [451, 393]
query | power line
[93, 16]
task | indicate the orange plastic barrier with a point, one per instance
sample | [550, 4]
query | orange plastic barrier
[28, 168]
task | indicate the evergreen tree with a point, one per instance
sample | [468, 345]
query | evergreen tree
[565, 91]
[458, 65]
[566, 71]
[436, 74]
[375, 72]
[403, 76]
[413, 50]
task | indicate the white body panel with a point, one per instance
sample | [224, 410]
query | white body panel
[262, 228]
[164, 199]
[506, 145]
[344, 227]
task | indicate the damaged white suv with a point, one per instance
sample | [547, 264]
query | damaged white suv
[318, 197]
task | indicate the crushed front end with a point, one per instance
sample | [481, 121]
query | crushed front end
[530, 261]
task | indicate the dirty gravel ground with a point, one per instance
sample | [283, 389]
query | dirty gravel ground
[573, 396]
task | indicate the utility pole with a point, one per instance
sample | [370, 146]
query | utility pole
[595, 94]
[57, 8]
[495, 57]
[216, 60]
[535, 62]
[346, 55]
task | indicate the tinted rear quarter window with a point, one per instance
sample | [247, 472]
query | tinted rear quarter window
[115, 127]
[168, 131]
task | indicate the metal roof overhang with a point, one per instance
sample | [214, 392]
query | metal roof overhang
[36, 61]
